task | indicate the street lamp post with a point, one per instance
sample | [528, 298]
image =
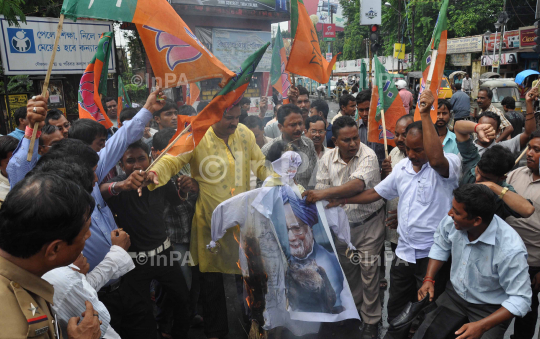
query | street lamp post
[497, 25]
[398, 11]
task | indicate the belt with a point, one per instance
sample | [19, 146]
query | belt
[153, 252]
[360, 223]
[110, 288]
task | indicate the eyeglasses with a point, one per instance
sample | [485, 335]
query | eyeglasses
[317, 132]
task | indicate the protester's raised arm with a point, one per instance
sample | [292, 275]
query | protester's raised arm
[530, 121]
[432, 145]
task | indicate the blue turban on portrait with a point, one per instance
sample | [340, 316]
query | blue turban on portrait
[302, 210]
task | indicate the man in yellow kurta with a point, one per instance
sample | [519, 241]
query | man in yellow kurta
[221, 164]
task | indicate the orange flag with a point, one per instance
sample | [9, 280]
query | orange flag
[305, 58]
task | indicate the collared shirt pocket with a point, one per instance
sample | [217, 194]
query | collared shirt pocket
[424, 190]
[482, 277]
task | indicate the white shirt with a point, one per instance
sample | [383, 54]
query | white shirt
[424, 199]
[72, 289]
[4, 188]
[466, 84]
[514, 145]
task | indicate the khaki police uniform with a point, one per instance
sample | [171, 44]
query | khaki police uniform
[24, 304]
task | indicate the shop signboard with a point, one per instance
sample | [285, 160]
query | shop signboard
[27, 49]
[461, 59]
[469, 44]
[232, 47]
[510, 41]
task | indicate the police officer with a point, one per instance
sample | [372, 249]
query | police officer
[44, 223]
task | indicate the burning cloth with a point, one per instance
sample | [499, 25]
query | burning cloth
[288, 259]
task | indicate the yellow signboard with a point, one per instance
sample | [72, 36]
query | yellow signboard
[15, 101]
[399, 51]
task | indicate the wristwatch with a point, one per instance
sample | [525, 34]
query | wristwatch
[503, 192]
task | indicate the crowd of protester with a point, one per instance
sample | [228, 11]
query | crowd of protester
[82, 222]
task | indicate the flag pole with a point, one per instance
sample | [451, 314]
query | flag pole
[171, 144]
[46, 85]
[521, 155]
[431, 69]
[384, 134]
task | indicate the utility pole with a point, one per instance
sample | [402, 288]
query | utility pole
[412, 40]
[370, 65]
[330, 14]
[399, 33]
[504, 18]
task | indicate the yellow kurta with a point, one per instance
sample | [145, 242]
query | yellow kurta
[220, 174]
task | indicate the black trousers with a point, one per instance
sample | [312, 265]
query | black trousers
[407, 278]
[524, 327]
[214, 302]
[136, 318]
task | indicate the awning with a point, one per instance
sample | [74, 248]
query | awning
[522, 75]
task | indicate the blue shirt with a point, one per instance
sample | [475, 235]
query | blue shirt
[17, 134]
[461, 104]
[99, 244]
[449, 143]
[489, 270]
[329, 142]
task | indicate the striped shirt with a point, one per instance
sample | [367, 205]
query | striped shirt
[333, 171]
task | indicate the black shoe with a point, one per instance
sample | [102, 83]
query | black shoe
[409, 313]
[370, 331]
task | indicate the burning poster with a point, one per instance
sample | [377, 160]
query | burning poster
[288, 259]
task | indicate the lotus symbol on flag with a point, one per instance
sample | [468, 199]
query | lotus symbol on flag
[179, 51]
[389, 135]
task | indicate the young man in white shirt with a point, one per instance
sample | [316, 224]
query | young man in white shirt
[424, 183]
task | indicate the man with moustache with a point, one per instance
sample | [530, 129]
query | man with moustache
[316, 130]
[447, 138]
[424, 183]
[231, 148]
[347, 106]
[320, 107]
[526, 182]
[345, 171]
[303, 102]
[291, 124]
[484, 97]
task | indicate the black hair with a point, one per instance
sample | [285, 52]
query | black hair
[202, 105]
[344, 92]
[253, 121]
[458, 87]
[128, 113]
[73, 149]
[187, 110]
[278, 148]
[405, 117]
[496, 160]
[53, 114]
[302, 91]
[162, 138]
[86, 130]
[107, 99]
[169, 104]
[20, 113]
[342, 122]
[345, 99]
[509, 102]
[478, 201]
[363, 96]
[284, 111]
[488, 91]
[312, 120]
[441, 102]
[354, 89]
[139, 144]
[244, 101]
[40, 209]
[492, 115]
[7, 144]
[47, 130]
[70, 170]
[321, 106]
[417, 125]
[535, 134]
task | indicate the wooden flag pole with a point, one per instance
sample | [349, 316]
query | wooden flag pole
[431, 69]
[384, 134]
[522, 154]
[46, 84]
[171, 144]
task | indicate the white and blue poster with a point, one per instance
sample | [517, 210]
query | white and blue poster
[232, 47]
[27, 49]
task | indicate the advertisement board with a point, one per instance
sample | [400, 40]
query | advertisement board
[263, 5]
[526, 37]
[506, 59]
[464, 45]
[27, 49]
[370, 12]
[510, 40]
[335, 14]
[461, 59]
[232, 47]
